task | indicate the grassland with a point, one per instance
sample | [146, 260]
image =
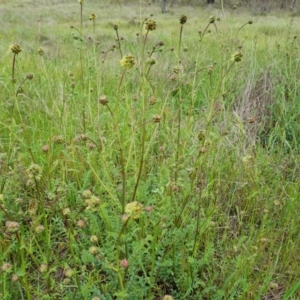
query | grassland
[146, 156]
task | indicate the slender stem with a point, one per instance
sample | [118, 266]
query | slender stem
[119, 43]
[122, 160]
[180, 39]
[23, 263]
[13, 71]
[143, 121]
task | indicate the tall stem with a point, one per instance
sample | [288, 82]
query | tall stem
[143, 121]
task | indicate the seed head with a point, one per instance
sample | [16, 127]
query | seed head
[14, 278]
[150, 25]
[12, 226]
[93, 250]
[92, 203]
[250, 22]
[43, 268]
[156, 118]
[86, 194]
[29, 76]
[148, 209]
[34, 173]
[116, 27]
[6, 267]
[94, 239]
[39, 229]
[151, 61]
[168, 297]
[183, 19]
[234, 7]
[124, 263]
[15, 48]
[81, 223]
[176, 69]
[66, 211]
[237, 56]
[40, 51]
[152, 100]
[127, 61]
[161, 43]
[20, 90]
[133, 209]
[103, 99]
[58, 139]
[212, 19]
[68, 272]
[93, 17]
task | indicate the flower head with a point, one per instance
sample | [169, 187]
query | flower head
[93, 17]
[29, 76]
[212, 19]
[237, 56]
[15, 48]
[150, 25]
[12, 226]
[168, 297]
[34, 172]
[127, 61]
[183, 19]
[124, 263]
[40, 51]
[103, 100]
[134, 209]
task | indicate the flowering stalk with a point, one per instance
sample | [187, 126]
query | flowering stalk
[81, 2]
[15, 49]
[248, 23]
[23, 265]
[150, 25]
[118, 40]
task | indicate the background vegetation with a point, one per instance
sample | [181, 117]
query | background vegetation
[147, 155]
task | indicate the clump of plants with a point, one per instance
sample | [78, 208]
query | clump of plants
[127, 171]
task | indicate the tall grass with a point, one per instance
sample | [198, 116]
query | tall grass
[148, 156]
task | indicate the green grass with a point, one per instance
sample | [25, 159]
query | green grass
[178, 176]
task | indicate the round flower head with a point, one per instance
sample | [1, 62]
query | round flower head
[93, 16]
[12, 226]
[237, 56]
[124, 263]
[134, 209]
[103, 99]
[151, 61]
[156, 118]
[150, 25]
[212, 19]
[29, 76]
[15, 48]
[127, 61]
[40, 51]
[168, 297]
[183, 19]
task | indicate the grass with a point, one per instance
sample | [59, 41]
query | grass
[173, 175]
